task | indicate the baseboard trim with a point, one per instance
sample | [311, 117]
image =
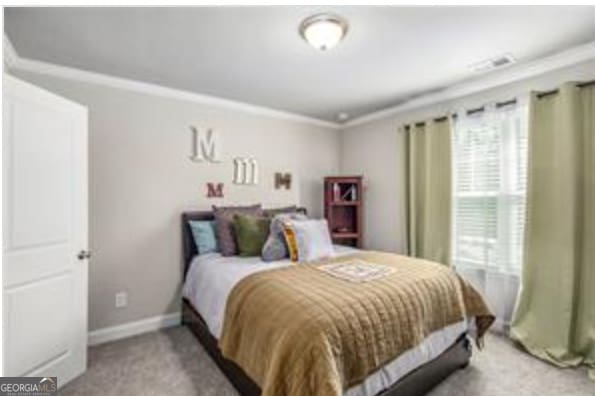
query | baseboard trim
[130, 329]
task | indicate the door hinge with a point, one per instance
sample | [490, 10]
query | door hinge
[84, 254]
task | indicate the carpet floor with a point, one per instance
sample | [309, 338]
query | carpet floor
[172, 362]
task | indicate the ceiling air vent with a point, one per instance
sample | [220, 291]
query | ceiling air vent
[493, 63]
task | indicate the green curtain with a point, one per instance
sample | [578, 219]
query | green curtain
[555, 316]
[429, 190]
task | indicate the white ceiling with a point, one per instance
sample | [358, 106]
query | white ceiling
[255, 54]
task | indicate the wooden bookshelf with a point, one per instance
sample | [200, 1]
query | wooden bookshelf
[352, 203]
[343, 198]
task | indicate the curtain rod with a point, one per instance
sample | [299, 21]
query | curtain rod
[482, 108]
[555, 91]
[499, 104]
[469, 112]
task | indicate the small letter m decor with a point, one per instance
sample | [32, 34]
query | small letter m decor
[214, 190]
[283, 180]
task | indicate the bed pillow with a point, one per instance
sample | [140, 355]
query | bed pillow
[275, 247]
[277, 211]
[308, 240]
[251, 233]
[224, 225]
[291, 241]
[204, 236]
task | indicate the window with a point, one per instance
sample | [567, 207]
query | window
[490, 172]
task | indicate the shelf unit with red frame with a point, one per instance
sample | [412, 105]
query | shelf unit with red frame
[343, 210]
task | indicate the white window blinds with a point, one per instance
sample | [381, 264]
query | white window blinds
[489, 169]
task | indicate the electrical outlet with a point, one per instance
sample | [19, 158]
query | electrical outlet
[121, 299]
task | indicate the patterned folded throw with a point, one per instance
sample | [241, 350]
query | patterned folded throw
[356, 270]
[296, 331]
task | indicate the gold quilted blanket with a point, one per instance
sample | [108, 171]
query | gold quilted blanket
[301, 331]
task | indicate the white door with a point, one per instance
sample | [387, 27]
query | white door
[44, 222]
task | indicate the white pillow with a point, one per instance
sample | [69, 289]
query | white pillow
[313, 240]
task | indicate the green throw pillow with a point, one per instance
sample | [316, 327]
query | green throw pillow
[251, 233]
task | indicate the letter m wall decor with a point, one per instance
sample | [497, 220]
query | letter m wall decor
[245, 170]
[205, 145]
[214, 190]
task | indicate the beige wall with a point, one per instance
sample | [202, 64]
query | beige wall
[375, 149]
[141, 180]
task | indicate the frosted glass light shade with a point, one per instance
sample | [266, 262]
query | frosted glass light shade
[323, 31]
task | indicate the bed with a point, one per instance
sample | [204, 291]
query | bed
[209, 279]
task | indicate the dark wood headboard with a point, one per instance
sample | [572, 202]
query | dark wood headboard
[189, 249]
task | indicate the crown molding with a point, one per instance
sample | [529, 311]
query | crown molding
[508, 75]
[15, 62]
[569, 57]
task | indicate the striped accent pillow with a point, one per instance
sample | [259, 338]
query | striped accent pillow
[291, 241]
[275, 247]
[308, 240]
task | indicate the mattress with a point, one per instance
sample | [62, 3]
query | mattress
[211, 277]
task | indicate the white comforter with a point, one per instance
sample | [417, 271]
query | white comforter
[211, 277]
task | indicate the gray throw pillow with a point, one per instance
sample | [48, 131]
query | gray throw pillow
[277, 211]
[224, 216]
[275, 247]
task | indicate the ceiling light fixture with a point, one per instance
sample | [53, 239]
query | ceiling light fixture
[323, 31]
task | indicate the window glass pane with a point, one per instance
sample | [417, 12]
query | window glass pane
[489, 161]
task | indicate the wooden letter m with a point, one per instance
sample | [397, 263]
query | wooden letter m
[283, 180]
[214, 191]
